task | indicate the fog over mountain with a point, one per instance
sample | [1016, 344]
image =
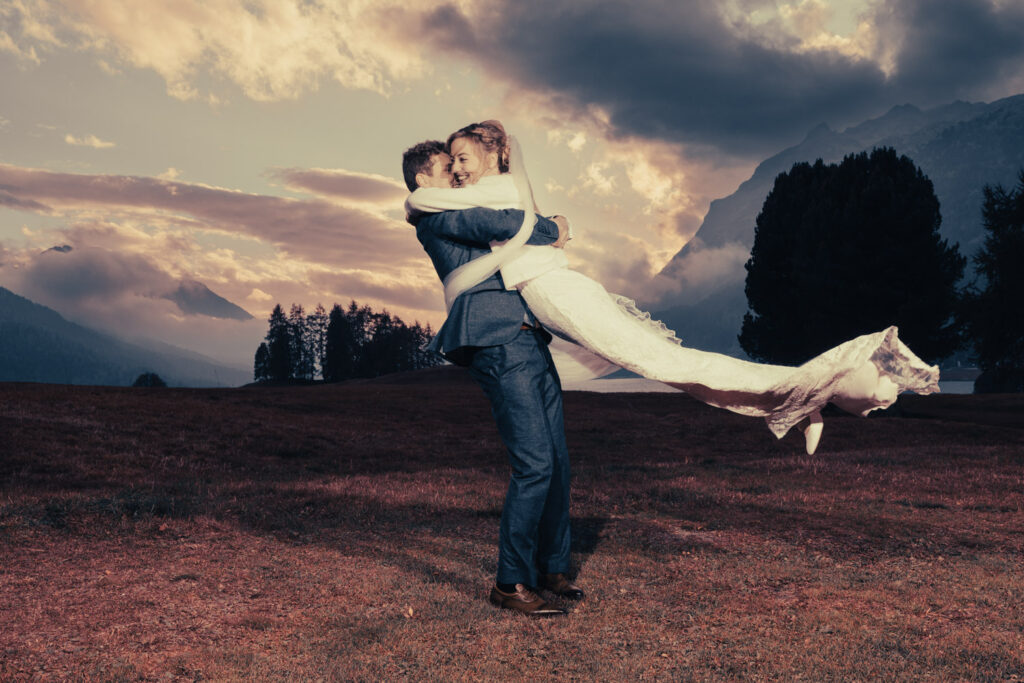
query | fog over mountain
[961, 147]
[38, 345]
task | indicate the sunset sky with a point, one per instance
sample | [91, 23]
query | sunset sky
[255, 145]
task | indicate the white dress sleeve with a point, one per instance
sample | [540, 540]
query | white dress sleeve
[491, 192]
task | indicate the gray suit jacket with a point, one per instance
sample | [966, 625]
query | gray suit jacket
[487, 314]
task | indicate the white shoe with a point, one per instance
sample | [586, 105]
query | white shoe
[812, 432]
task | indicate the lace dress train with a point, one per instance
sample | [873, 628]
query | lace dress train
[859, 376]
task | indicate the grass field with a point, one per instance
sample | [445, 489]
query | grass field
[349, 532]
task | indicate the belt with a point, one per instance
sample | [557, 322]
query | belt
[527, 326]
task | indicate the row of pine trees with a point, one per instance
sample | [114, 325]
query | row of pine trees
[340, 345]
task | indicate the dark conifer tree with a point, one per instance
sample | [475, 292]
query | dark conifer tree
[279, 346]
[316, 328]
[339, 347]
[992, 306]
[361, 320]
[423, 357]
[261, 364]
[843, 250]
[300, 349]
[379, 351]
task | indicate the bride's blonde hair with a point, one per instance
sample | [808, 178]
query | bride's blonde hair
[488, 134]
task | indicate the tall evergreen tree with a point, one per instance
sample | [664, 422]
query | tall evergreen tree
[261, 363]
[301, 352]
[340, 348]
[361, 320]
[843, 250]
[279, 346]
[383, 348]
[316, 328]
[423, 357]
[992, 306]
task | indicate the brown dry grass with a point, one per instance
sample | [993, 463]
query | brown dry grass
[348, 533]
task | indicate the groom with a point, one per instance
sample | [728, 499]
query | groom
[490, 330]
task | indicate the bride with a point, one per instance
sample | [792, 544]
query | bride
[859, 376]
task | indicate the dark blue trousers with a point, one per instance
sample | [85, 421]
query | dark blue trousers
[526, 399]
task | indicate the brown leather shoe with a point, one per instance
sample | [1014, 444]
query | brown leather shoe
[525, 601]
[560, 585]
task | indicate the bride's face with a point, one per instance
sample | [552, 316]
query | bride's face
[471, 162]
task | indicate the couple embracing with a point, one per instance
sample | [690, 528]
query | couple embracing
[490, 329]
[507, 282]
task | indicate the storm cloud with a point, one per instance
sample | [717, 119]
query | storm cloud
[686, 72]
[744, 77]
[93, 274]
[956, 47]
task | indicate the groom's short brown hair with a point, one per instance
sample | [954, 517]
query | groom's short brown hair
[418, 159]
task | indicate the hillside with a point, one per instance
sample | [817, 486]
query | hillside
[38, 345]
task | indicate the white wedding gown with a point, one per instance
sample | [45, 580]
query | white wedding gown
[859, 376]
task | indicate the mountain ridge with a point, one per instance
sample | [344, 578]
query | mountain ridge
[960, 146]
[37, 344]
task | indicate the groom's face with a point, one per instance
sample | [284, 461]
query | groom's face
[440, 172]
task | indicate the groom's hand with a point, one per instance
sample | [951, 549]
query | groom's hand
[563, 231]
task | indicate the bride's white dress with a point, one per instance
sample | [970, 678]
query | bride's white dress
[859, 376]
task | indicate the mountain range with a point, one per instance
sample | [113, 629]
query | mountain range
[961, 147]
[195, 298]
[38, 345]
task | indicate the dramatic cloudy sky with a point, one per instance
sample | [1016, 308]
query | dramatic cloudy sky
[255, 145]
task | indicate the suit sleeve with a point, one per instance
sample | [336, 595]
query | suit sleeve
[480, 226]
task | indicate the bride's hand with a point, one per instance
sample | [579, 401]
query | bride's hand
[563, 231]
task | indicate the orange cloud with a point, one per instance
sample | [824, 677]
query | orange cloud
[135, 238]
[350, 186]
[315, 230]
[87, 141]
[271, 50]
